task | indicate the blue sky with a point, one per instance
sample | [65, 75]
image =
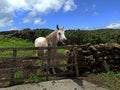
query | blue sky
[72, 14]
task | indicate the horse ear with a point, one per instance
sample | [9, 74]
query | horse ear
[63, 28]
[57, 27]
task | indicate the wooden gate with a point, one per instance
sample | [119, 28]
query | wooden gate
[17, 67]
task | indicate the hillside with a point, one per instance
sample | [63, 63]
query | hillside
[74, 36]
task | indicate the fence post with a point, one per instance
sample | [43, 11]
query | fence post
[13, 66]
[76, 61]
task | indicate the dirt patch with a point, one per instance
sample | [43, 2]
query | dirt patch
[93, 78]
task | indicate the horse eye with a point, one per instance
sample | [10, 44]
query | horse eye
[59, 33]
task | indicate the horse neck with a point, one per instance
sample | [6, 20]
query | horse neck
[52, 39]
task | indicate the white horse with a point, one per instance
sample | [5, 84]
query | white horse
[51, 40]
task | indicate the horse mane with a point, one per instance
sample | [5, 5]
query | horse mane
[52, 38]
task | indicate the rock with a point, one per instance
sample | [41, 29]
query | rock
[115, 45]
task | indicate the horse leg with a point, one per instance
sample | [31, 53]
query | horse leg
[36, 53]
[53, 69]
[53, 61]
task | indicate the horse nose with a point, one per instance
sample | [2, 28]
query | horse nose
[65, 41]
[65, 38]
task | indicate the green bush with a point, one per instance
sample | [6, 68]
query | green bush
[18, 77]
[35, 77]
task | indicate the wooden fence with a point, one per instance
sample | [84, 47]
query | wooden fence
[10, 65]
[16, 66]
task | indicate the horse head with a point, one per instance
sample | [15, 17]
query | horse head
[60, 35]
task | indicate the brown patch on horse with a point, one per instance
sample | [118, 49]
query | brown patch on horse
[52, 39]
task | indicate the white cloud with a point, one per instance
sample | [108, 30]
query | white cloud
[69, 5]
[5, 21]
[113, 25]
[6, 14]
[18, 4]
[39, 21]
[8, 9]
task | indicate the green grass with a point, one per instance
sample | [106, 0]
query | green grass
[110, 80]
[61, 51]
[14, 42]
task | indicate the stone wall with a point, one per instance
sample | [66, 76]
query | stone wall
[99, 57]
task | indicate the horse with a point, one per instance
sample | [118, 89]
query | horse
[51, 40]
